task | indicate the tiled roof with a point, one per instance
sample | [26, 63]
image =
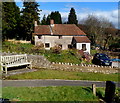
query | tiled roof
[58, 29]
[81, 39]
[42, 29]
[67, 29]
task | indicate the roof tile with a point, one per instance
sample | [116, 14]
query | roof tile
[59, 29]
[81, 39]
[42, 29]
[67, 29]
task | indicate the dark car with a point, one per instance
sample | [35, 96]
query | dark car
[101, 59]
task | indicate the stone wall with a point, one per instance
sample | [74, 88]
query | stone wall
[39, 61]
[85, 68]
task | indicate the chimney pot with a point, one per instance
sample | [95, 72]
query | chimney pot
[36, 23]
[51, 21]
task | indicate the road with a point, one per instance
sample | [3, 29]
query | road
[44, 83]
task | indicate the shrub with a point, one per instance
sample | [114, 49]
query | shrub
[56, 49]
[38, 47]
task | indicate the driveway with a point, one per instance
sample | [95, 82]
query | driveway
[57, 82]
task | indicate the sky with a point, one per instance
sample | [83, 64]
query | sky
[107, 10]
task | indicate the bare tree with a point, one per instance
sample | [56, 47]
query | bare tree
[97, 30]
[93, 23]
[108, 31]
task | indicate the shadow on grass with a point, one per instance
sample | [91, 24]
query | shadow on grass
[99, 93]
[2, 100]
[89, 89]
[16, 68]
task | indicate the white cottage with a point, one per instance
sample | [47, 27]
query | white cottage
[65, 35]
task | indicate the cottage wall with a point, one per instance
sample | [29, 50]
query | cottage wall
[54, 40]
[79, 46]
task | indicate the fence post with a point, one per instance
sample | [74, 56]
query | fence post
[94, 89]
[109, 91]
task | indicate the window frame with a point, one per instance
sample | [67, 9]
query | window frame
[47, 45]
[69, 46]
[84, 47]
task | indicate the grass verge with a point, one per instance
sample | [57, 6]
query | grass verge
[63, 93]
[70, 75]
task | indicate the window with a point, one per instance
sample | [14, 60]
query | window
[39, 36]
[47, 45]
[69, 46]
[60, 36]
[83, 47]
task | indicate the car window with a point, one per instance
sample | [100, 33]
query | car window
[103, 56]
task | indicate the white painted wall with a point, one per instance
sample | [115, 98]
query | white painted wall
[79, 46]
[53, 40]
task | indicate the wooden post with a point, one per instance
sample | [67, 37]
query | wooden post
[94, 89]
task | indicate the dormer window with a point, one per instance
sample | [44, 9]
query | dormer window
[39, 36]
[60, 36]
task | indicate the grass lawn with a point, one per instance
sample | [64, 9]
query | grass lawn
[16, 47]
[62, 93]
[72, 75]
[66, 56]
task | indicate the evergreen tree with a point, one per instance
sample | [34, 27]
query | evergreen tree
[72, 18]
[10, 18]
[56, 16]
[48, 20]
[30, 14]
[44, 20]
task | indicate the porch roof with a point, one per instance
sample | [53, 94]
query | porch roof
[81, 39]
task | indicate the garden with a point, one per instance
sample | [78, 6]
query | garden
[53, 55]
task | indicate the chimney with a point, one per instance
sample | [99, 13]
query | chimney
[36, 23]
[52, 22]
